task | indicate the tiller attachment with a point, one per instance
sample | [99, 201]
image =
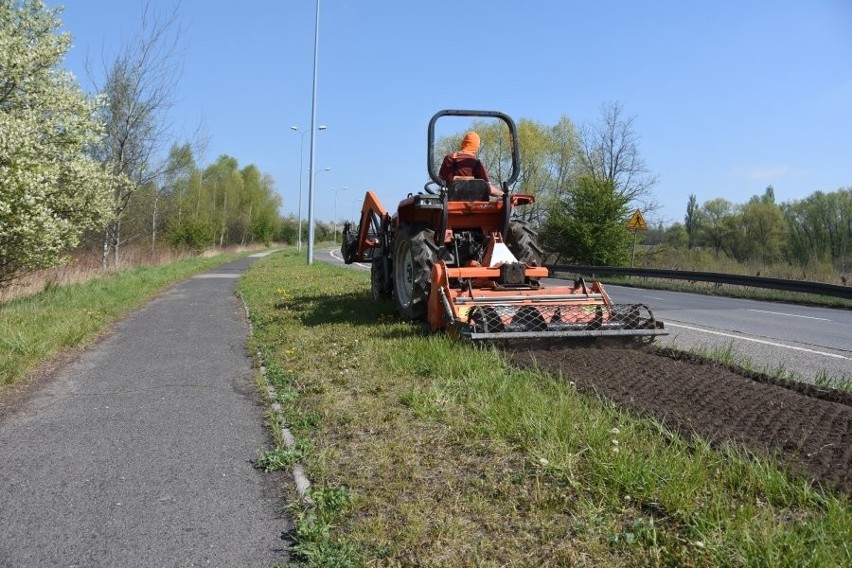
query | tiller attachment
[508, 301]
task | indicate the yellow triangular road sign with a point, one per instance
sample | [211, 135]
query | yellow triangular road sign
[637, 222]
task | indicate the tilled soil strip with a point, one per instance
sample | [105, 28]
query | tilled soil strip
[808, 429]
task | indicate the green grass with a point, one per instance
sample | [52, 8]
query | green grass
[38, 327]
[824, 380]
[441, 454]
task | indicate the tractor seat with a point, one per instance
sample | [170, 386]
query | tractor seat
[468, 189]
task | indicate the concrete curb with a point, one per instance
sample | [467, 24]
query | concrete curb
[301, 480]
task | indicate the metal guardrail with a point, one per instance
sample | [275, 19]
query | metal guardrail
[802, 286]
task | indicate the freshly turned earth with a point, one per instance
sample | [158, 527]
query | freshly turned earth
[808, 429]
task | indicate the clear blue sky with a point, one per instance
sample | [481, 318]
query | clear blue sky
[728, 96]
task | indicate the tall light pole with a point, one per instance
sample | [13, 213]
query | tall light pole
[335, 211]
[301, 176]
[313, 143]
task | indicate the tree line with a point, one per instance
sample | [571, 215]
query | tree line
[813, 231]
[218, 205]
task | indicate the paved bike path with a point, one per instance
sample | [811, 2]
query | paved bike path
[139, 453]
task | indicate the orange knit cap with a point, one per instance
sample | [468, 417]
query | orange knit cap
[470, 143]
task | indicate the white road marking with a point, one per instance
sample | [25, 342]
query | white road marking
[629, 288]
[771, 343]
[333, 254]
[789, 315]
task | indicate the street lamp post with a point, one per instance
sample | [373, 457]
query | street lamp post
[301, 176]
[335, 211]
[310, 259]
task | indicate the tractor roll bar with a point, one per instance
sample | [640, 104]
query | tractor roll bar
[513, 130]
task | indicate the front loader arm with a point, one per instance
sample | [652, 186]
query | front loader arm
[357, 248]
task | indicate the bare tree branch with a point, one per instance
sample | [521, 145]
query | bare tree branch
[610, 152]
[138, 93]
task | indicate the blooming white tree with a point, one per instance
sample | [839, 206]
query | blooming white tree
[51, 190]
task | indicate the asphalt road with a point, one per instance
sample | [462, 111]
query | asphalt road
[140, 452]
[804, 341]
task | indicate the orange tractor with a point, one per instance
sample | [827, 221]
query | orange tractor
[459, 260]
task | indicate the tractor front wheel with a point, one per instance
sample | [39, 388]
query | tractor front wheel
[348, 247]
[414, 254]
[378, 288]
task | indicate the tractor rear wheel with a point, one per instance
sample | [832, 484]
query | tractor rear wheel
[521, 240]
[414, 254]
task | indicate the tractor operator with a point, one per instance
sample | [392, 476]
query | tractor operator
[464, 163]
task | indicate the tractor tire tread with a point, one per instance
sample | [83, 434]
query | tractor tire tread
[424, 254]
[521, 240]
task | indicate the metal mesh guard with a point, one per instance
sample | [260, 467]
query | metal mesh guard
[549, 319]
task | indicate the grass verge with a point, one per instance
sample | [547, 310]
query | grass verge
[36, 328]
[431, 452]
